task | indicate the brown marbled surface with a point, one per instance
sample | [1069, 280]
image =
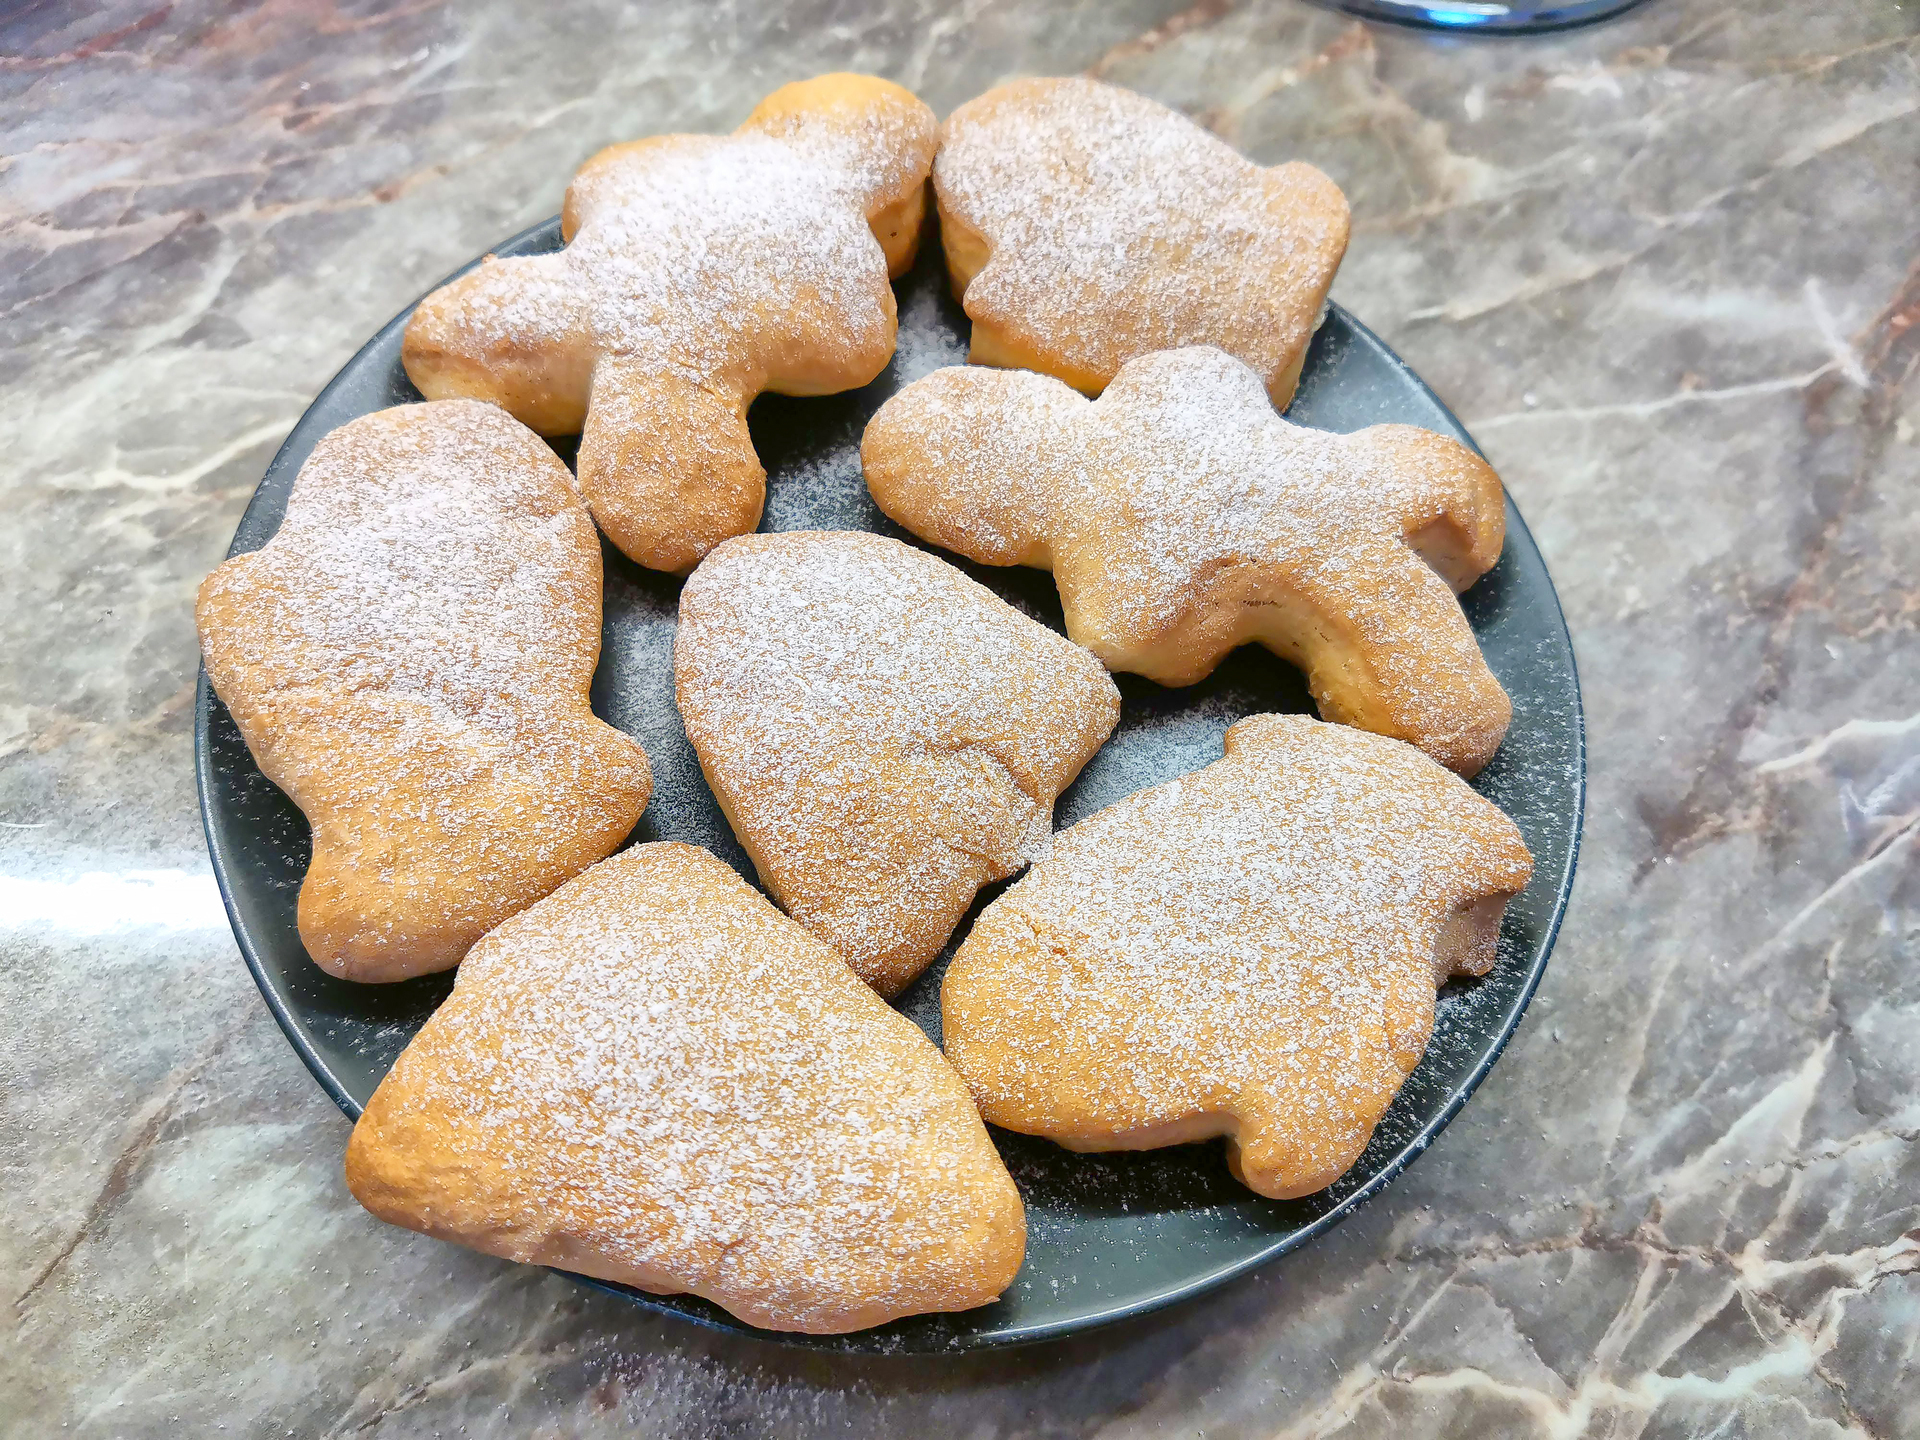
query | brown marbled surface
[1668, 271]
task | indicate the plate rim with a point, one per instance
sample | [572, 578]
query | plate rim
[966, 1342]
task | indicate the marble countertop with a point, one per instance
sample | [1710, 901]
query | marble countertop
[1667, 270]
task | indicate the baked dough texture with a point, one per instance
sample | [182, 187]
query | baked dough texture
[1251, 950]
[885, 735]
[699, 271]
[409, 659]
[656, 1078]
[1085, 225]
[1182, 517]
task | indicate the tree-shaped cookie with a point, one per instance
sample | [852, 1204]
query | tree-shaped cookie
[1085, 225]
[1182, 517]
[700, 270]
[409, 659]
[656, 1078]
[1251, 950]
[885, 735]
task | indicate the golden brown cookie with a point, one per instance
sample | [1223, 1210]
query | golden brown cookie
[1085, 225]
[1251, 950]
[885, 735]
[1182, 517]
[699, 271]
[409, 659]
[656, 1078]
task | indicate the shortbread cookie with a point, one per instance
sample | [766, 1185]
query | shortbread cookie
[409, 659]
[1182, 517]
[1251, 950]
[700, 270]
[656, 1078]
[885, 735]
[1085, 225]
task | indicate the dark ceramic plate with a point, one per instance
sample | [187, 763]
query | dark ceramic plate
[1110, 1235]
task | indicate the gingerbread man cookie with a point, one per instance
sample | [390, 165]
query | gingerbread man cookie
[1251, 950]
[1182, 517]
[409, 659]
[656, 1078]
[700, 270]
[1085, 225]
[884, 734]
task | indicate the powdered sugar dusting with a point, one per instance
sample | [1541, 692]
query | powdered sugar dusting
[1181, 517]
[925, 342]
[700, 252]
[422, 554]
[1250, 948]
[737, 261]
[656, 1077]
[1209, 478]
[886, 734]
[1119, 227]
[410, 657]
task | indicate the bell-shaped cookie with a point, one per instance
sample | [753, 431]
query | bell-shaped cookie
[885, 735]
[1251, 950]
[699, 271]
[1182, 517]
[409, 658]
[656, 1078]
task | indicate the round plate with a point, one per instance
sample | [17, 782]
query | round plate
[1108, 1235]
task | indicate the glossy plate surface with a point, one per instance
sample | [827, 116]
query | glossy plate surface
[1110, 1235]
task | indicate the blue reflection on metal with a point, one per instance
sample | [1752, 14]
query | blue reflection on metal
[1495, 19]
